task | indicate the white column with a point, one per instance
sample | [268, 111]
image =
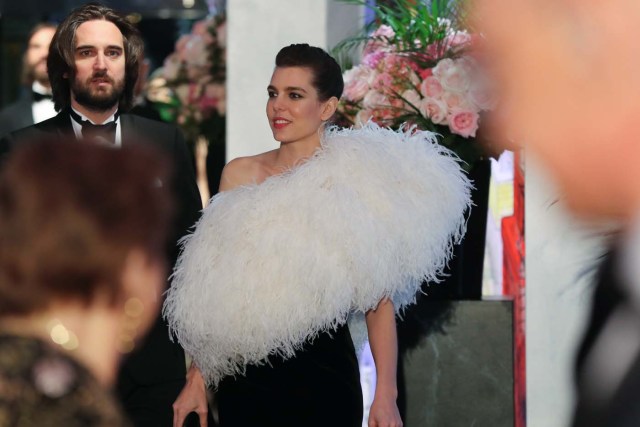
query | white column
[560, 260]
[257, 30]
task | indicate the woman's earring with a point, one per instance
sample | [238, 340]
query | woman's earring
[133, 309]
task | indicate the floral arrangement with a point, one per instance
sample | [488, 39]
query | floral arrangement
[190, 87]
[419, 69]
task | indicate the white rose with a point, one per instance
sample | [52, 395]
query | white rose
[455, 78]
[443, 67]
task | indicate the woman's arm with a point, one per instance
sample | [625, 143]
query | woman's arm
[381, 324]
[192, 398]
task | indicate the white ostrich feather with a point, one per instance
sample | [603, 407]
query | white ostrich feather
[370, 215]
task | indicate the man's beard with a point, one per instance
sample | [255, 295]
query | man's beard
[38, 74]
[97, 100]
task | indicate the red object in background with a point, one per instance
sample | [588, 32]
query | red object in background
[513, 283]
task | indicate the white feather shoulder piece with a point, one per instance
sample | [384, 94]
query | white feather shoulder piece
[370, 215]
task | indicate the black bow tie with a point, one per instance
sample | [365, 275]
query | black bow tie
[101, 133]
[37, 96]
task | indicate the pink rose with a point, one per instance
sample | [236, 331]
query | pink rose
[356, 90]
[196, 51]
[435, 50]
[181, 43]
[356, 83]
[384, 31]
[374, 99]
[382, 115]
[412, 99]
[434, 109]
[380, 39]
[431, 88]
[382, 81]
[171, 67]
[455, 100]
[464, 122]
[201, 27]
[395, 102]
[213, 95]
[362, 117]
[459, 39]
[373, 58]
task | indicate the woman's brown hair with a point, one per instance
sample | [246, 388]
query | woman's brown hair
[69, 215]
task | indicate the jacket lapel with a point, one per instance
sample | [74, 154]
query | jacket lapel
[60, 125]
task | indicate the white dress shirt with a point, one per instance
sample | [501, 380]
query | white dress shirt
[43, 109]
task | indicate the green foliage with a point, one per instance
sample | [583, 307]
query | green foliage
[416, 24]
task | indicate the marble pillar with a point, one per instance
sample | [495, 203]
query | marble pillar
[459, 370]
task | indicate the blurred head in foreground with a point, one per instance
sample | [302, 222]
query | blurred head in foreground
[569, 72]
[82, 241]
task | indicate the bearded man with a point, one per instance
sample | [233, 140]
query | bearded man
[35, 104]
[93, 65]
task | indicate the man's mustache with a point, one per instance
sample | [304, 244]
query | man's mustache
[102, 75]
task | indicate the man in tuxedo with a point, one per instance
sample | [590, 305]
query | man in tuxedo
[569, 72]
[93, 67]
[35, 104]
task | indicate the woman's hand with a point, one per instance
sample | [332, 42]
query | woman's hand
[384, 412]
[192, 398]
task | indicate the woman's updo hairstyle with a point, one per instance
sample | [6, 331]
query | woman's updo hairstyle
[327, 75]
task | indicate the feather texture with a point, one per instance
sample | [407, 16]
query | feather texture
[368, 216]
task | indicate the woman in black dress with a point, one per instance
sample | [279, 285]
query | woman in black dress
[318, 385]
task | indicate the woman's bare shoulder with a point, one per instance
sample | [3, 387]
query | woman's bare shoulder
[245, 170]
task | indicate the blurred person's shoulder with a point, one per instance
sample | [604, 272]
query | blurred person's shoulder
[42, 386]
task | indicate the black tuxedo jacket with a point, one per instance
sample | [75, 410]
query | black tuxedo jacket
[158, 359]
[17, 115]
[621, 408]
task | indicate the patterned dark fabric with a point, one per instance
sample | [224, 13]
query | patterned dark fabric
[44, 387]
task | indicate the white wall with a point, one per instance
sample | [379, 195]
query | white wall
[257, 30]
[560, 251]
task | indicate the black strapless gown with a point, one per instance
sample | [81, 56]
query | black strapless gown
[319, 386]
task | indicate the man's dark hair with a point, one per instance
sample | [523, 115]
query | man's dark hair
[61, 60]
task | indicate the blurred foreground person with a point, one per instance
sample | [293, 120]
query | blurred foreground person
[569, 74]
[83, 233]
